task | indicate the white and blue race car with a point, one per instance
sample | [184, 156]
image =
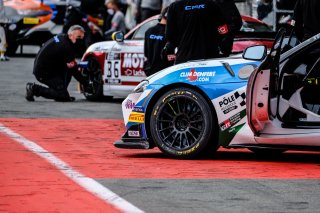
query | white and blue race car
[186, 109]
[191, 109]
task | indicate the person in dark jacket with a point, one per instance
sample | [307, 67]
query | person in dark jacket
[147, 9]
[306, 18]
[194, 27]
[154, 43]
[54, 66]
[234, 21]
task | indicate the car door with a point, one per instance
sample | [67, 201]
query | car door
[124, 63]
[279, 107]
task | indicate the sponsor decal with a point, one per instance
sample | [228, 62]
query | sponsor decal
[129, 104]
[132, 64]
[228, 104]
[133, 133]
[230, 122]
[136, 117]
[128, 72]
[138, 109]
[138, 73]
[197, 76]
[133, 60]
[195, 7]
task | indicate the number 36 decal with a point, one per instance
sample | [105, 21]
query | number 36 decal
[113, 69]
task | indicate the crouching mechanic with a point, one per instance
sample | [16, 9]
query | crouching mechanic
[55, 65]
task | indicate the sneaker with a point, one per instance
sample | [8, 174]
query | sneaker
[4, 58]
[29, 92]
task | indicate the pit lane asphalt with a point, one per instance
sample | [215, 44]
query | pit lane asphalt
[165, 195]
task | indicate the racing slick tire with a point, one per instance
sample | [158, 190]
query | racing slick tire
[93, 74]
[183, 125]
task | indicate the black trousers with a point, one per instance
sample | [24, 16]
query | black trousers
[57, 87]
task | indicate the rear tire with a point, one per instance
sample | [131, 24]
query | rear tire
[183, 125]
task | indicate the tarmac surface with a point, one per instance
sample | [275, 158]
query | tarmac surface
[59, 157]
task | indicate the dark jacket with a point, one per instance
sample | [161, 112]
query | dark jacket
[153, 44]
[193, 26]
[234, 21]
[55, 57]
[307, 18]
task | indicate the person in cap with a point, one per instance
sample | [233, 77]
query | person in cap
[154, 43]
[54, 66]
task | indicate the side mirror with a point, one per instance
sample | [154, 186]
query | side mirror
[118, 36]
[255, 53]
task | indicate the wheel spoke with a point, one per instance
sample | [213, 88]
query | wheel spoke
[186, 140]
[178, 106]
[169, 135]
[166, 128]
[199, 130]
[185, 105]
[194, 114]
[191, 107]
[181, 140]
[168, 114]
[194, 138]
[196, 121]
[175, 138]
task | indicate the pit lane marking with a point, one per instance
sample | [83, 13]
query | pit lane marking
[87, 183]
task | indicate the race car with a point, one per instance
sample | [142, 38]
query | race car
[191, 109]
[116, 67]
[28, 22]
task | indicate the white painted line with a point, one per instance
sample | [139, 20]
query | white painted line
[87, 183]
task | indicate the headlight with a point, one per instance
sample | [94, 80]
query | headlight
[141, 87]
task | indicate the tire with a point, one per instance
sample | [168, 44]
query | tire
[267, 151]
[183, 125]
[93, 73]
